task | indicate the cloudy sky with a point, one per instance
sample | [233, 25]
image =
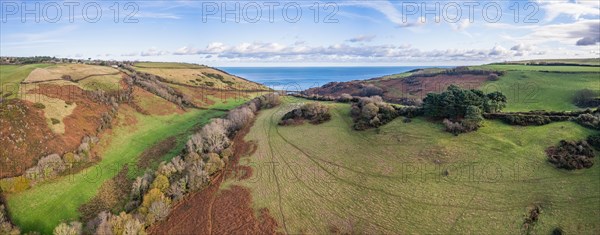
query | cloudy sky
[303, 33]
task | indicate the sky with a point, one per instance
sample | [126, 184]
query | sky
[303, 33]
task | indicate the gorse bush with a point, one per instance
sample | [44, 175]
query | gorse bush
[571, 155]
[586, 98]
[6, 227]
[372, 112]
[73, 228]
[589, 120]
[314, 112]
[594, 141]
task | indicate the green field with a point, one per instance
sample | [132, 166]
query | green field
[46, 205]
[316, 178]
[11, 77]
[561, 68]
[527, 89]
[168, 65]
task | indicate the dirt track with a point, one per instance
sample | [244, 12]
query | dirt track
[214, 211]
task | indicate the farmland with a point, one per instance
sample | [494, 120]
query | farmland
[197, 75]
[391, 180]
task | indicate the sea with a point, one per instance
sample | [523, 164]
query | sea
[302, 78]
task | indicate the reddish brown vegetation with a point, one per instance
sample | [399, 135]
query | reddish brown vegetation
[154, 153]
[395, 90]
[28, 136]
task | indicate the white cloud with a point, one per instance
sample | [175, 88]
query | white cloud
[259, 51]
[555, 8]
[153, 52]
[362, 38]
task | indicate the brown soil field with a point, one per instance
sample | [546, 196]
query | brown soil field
[28, 136]
[220, 211]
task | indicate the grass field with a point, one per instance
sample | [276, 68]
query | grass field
[591, 61]
[44, 206]
[197, 75]
[565, 68]
[11, 77]
[101, 82]
[527, 89]
[76, 71]
[53, 108]
[319, 179]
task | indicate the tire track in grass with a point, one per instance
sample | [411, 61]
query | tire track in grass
[275, 176]
[269, 121]
[311, 158]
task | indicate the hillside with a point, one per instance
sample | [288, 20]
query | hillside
[197, 76]
[90, 117]
[526, 87]
[404, 177]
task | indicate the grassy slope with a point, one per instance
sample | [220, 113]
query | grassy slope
[44, 206]
[528, 89]
[387, 182]
[11, 76]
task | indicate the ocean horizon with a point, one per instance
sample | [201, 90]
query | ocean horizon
[302, 78]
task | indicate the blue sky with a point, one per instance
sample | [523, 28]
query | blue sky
[343, 33]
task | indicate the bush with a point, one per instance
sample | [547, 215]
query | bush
[453, 127]
[371, 113]
[158, 211]
[178, 189]
[453, 102]
[161, 183]
[589, 120]
[240, 117]
[6, 227]
[493, 77]
[345, 98]
[314, 112]
[371, 90]
[39, 106]
[594, 141]
[214, 135]
[154, 195]
[526, 120]
[74, 228]
[473, 119]
[586, 98]
[571, 155]
[54, 121]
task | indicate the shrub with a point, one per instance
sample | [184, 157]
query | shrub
[493, 77]
[345, 98]
[240, 117]
[15, 184]
[6, 227]
[39, 106]
[372, 112]
[453, 102]
[571, 155]
[122, 224]
[140, 185]
[594, 141]
[453, 127]
[196, 174]
[589, 120]
[214, 163]
[526, 120]
[74, 228]
[586, 98]
[178, 189]
[161, 183]
[153, 195]
[473, 119]
[371, 90]
[158, 211]
[314, 112]
[54, 121]
[214, 135]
